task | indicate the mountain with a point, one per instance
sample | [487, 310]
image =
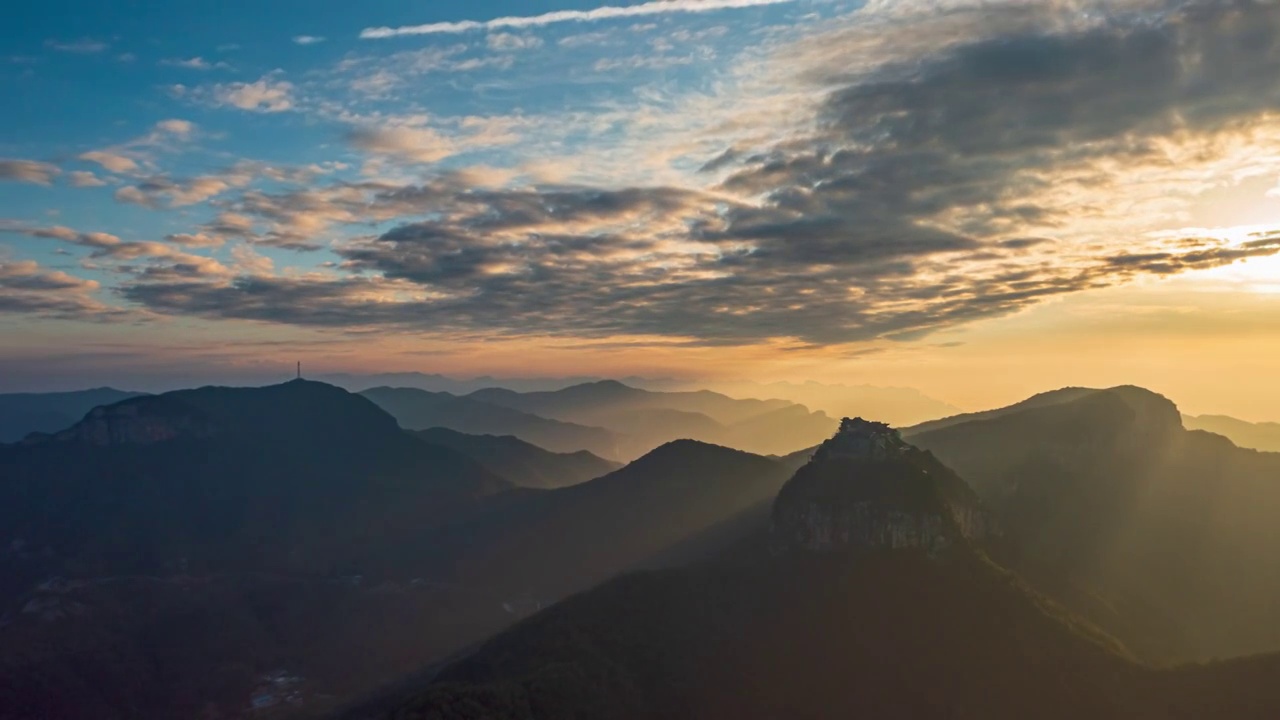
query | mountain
[230, 479]
[167, 552]
[25, 413]
[1258, 436]
[422, 410]
[1162, 535]
[876, 601]
[645, 419]
[611, 396]
[521, 463]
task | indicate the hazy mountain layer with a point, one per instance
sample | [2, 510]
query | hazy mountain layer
[1258, 436]
[520, 463]
[422, 410]
[644, 419]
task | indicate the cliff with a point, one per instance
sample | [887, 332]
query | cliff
[142, 421]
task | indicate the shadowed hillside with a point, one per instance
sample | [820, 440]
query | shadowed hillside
[1166, 536]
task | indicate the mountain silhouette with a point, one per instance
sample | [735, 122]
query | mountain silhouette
[24, 413]
[1162, 535]
[520, 463]
[422, 410]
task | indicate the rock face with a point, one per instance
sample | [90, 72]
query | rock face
[866, 488]
[143, 421]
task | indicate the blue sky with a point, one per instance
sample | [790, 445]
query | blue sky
[776, 189]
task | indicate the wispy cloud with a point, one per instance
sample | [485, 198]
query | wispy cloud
[85, 46]
[308, 39]
[195, 63]
[601, 13]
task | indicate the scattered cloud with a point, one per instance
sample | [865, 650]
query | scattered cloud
[29, 171]
[130, 157]
[115, 162]
[267, 95]
[81, 178]
[29, 289]
[307, 39]
[659, 7]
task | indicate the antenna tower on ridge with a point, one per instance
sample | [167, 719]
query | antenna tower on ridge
[299, 369]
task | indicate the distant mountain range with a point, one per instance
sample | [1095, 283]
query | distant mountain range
[644, 419]
[1258, 436]
[423, 410]
[898, 406]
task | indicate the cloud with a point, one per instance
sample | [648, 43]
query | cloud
[81, 178]
[195, 63]
[307, 39]
[181, 129]
[30, 171]
[180, 192]
[250, 262]
[28, 289]
[266, 95]
[129, 157]
[912, 168]
[85, 46]
[602, 13]
[420, 144]
[509, 42]
[115, 162]
[140, 259]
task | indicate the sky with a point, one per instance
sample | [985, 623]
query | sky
[981, 199]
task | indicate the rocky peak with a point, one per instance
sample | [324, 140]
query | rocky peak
[864, 439]
[866, 488]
